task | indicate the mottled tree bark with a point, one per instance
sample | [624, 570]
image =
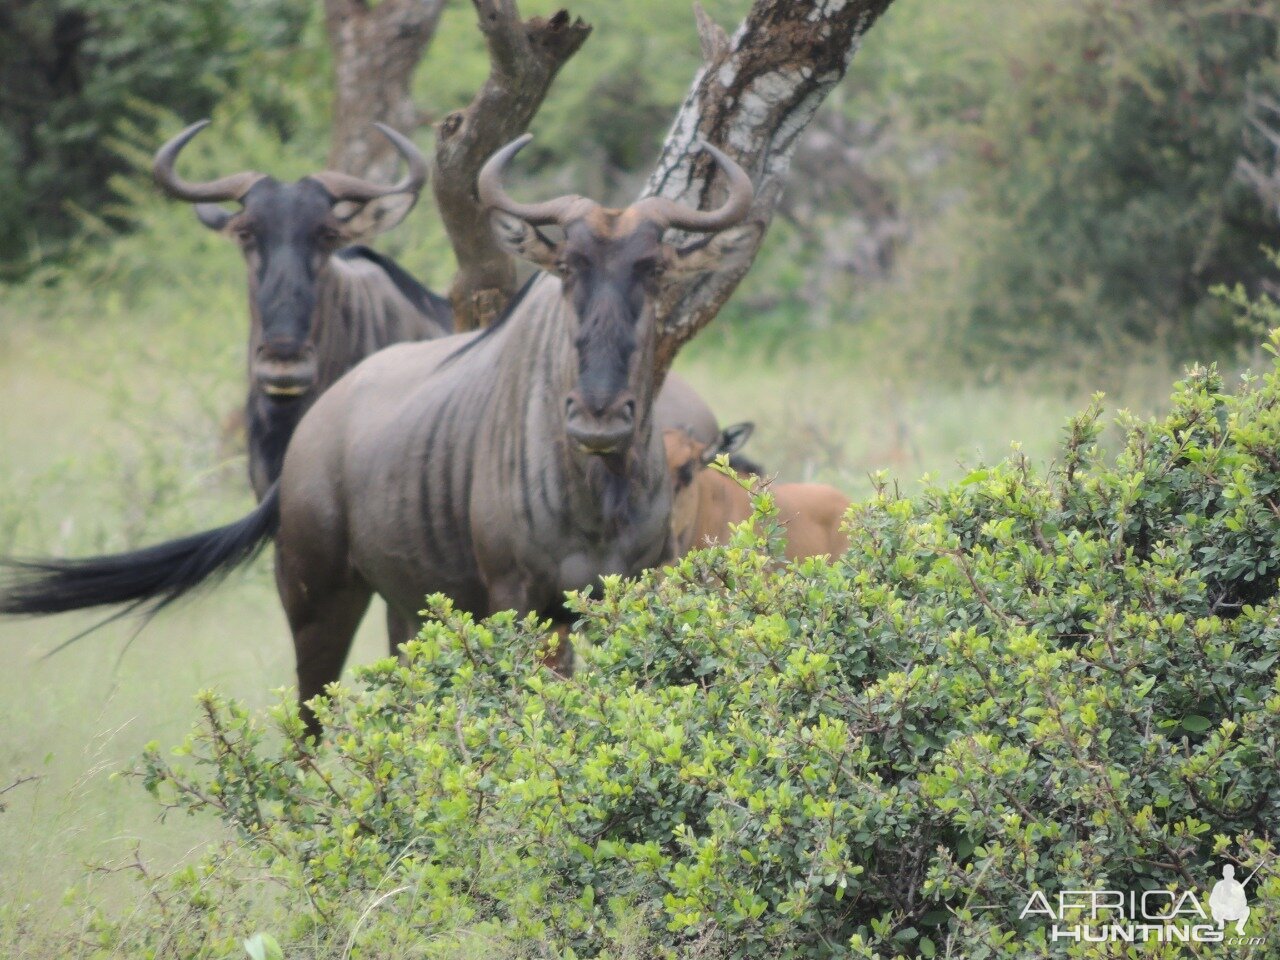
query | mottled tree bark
[524, 57]
[376, 48]
[755, 94]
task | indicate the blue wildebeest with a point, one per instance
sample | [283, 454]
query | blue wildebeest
[500, 468]
[318, 305]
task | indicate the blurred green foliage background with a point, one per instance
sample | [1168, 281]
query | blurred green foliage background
[1001, 182]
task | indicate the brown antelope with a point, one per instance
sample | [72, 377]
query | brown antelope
[317, 305]
[500, 468]
[706, 502]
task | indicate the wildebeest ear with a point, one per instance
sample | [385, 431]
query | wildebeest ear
[726, 250]
[730, 441]
[524, 241]
[364, 221]
[213, 216]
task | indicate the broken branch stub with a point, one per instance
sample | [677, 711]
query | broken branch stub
[524, 58]
[753, 97]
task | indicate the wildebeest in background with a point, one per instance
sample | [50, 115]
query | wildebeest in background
[706, 502]
[318, 305]
[501, 468]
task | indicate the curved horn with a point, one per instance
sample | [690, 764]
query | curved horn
[669, 213]
[232, 187]
[343, 186]
[489, 187]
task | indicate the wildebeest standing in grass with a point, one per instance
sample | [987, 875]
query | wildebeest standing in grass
[500, 468]
[540, 471]
[318, 305]
[706, 502]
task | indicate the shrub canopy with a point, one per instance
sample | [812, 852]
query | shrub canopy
[1023, 682]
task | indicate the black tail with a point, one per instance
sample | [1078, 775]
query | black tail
[145, 580]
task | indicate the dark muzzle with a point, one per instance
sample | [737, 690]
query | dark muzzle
[285, 374]
[600, 427]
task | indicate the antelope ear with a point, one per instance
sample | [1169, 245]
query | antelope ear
[213, 216]
[524, 241]
[364, 221]
[727, 250]
[730, 441]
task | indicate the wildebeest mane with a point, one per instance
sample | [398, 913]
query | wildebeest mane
[422, 298]
[497, 324]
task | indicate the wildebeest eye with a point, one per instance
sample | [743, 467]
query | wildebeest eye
[244, 235]
[684, 475]
[649, 267]
[328, 235]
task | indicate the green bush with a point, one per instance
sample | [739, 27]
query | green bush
[1067, 170]
[1020, 683]
[1102, 168]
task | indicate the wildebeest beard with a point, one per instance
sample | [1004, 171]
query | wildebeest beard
[270, 426]
[609, 476]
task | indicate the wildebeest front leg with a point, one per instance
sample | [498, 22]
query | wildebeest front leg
[560, 660]
[400, 629]
[513, 593]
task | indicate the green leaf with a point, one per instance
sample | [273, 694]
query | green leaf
[1196, 723]
[263, 946]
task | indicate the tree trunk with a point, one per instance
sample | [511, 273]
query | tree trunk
[376, 48]
[524, 57]
[753, 97]
[1259, 166]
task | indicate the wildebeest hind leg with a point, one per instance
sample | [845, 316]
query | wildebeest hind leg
[323, 622]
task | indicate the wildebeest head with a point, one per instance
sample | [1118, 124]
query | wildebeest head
[612, 264]
[287, 232]
[686, 458]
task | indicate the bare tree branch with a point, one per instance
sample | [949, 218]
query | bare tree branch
[752, 98]
[13, 786]
[524, 58]
[714, 41]
[376, 49]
